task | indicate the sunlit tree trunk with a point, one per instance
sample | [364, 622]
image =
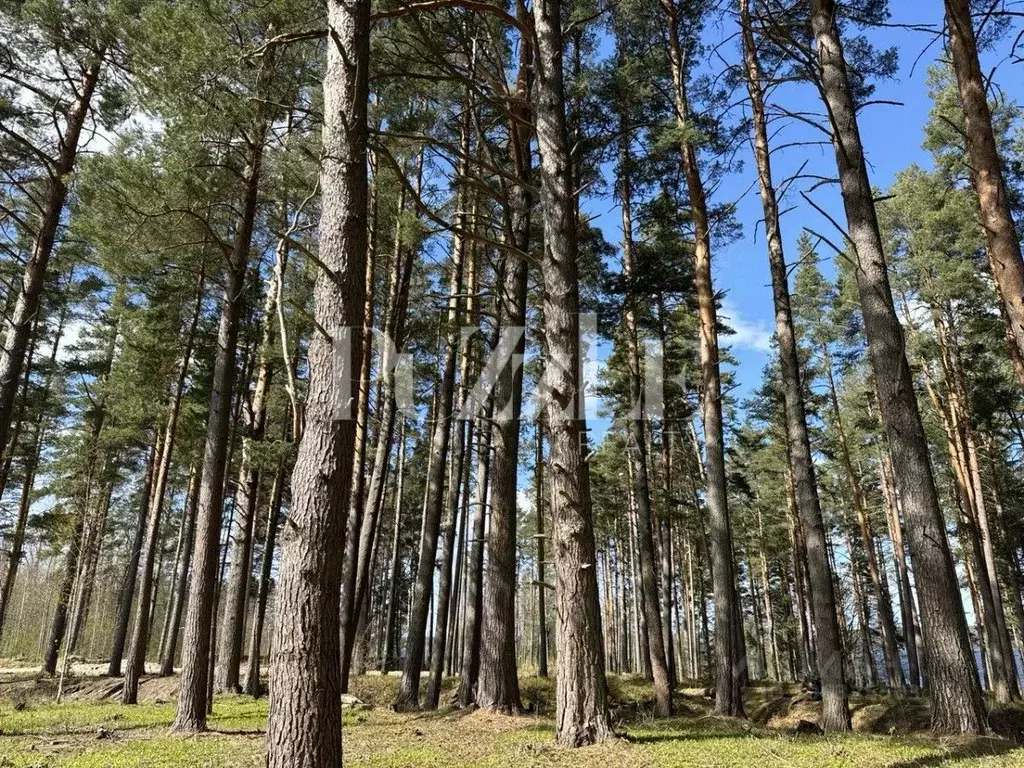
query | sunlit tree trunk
[581, 699]
[190, 716]
[729, 667]
[957, 705]
[835, 708]
[304, 724]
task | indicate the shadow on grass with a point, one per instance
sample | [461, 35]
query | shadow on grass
[676, 737]
[976, 748]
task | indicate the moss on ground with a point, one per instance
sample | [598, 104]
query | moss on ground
[102, 734]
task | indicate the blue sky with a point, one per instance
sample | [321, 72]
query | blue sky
[892, 136]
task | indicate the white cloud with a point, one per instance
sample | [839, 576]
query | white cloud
[524, 500]
[750, 334]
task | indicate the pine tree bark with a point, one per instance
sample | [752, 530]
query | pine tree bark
[126, 594]
[582, 715]
[190, 716]
[957, 705]
[907, 611]
[136, 666]
[60, 614]
[390, 625]
[350, 600]
[472, 622]
[542, 615]
[729, 671]
[498, 684]
[835, 707]
[32, 458]
[176, 606]
[1004, 250]
[304, 726]
[146, 597]
[356, 573]
[18, 330]
[648, 585]
[408, 696]
[460, 454]
[253, 686]
[443, 599]
[236, 591]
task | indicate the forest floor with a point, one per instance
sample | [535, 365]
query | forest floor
[90, 729]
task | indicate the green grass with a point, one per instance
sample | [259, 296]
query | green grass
[46, 734]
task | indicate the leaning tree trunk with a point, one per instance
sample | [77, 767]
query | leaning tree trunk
[60, 614]
[582, 715]
[304, 726]
[957, 705]
[18, 331]
[195, 667]
[729, 671]
[32, 459]
[18, 422]
[835, 707]
[1004, 249]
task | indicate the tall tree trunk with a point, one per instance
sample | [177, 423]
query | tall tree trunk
[835, 708]
[729, 672]
[92, 549]
[582, 715]
[1004, 249]
[349, 607]
[18, 331]
[498, 685]
[126, 594]
[907, 612]
[638, 446]
[473, 611]
[253, 687]
[304, 726]
[886, 621]
[409, 691]
[665, 551]
[766, 596]
[190, 716]
[60, 613]
[542, 617]
[176, 606]
[235, 603]
[390, 626]
[14, 434]
[459, 462]
[957, 705]
[146, 599]
[33, 455]
[161, 472]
